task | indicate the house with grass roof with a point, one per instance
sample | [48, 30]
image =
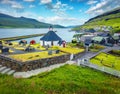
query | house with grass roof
[108, 38]
[99, 40]
[116, 37]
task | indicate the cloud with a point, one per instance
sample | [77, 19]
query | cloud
[31, 6]
[71, 8]
[97, 7]
[15, 13]
[80, 10]
[12, 3]
[62, 20]
[29, 0]
[17, 6]
[60, 8]
[103, 6]
[90, 2]
[45, 1]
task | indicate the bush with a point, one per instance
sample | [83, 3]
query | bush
[74, 41]
[81, 44]
[116, 52]
[97, 46]
[71, 44]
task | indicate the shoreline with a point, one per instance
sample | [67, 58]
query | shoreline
[21, 37]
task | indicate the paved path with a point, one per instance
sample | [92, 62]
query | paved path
[15, 51]
[89, 55]
[40, 70]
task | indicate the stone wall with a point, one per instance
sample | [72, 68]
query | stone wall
[31, 65]
[10, 63]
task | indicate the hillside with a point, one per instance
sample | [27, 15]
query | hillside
[68, 79]
[108, 19]
[7, 21]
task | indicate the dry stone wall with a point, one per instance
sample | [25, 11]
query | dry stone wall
[31, 65]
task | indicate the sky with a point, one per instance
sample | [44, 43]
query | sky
[62, 12]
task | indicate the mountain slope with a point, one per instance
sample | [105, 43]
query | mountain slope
[111, 19]
[7, 21]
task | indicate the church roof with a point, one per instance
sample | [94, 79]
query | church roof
[50, 36]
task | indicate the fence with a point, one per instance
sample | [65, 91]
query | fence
[100, 68]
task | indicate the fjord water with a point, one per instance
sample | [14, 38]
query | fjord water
[63, 33]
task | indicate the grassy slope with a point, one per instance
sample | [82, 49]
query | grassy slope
[112, 20]
[7, 21]
[69, 79]
[109, 60]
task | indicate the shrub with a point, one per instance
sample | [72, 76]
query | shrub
[116, 52]
[74, 41]
[97, 46]
[71, 44]
[80, 44]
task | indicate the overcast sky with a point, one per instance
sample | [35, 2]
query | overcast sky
[63, 12]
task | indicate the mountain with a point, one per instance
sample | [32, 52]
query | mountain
[72, 26]
[7, 21]
[108, 19]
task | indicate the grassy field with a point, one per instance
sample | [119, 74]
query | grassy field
[34, 56]
[40, 55]
[68, 49]
[44, 54]
[72, 50]
[107, 60]
[69, 79]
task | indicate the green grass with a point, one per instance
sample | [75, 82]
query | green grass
[96, 48]
[115, 23]
[68, 79]
[34, 56]
[72, 50]
[107, 60]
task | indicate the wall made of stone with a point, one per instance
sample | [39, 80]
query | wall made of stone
[10, 63]
[31, 65]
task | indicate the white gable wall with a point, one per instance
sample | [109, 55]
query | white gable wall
[55, 43]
